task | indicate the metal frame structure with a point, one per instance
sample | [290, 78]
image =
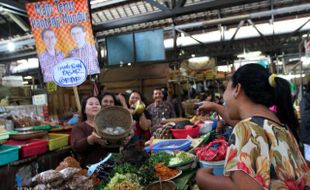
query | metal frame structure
[177, 17]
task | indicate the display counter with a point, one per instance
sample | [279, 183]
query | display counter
[19, 173]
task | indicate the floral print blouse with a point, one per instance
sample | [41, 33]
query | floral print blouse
[268, 153]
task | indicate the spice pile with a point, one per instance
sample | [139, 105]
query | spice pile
[163, 172]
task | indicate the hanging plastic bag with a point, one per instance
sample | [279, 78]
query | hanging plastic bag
[214, 151]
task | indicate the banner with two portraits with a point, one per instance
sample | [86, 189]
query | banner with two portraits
[62, 31]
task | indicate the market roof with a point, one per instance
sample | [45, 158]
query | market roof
[189, 17]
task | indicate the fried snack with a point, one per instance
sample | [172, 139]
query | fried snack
[82, 172]
[95, 179]
[68, 162]
[163, 172]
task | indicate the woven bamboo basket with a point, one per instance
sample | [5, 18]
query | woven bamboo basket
[113, 117]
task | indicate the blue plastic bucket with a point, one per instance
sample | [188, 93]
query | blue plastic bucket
[218, 166]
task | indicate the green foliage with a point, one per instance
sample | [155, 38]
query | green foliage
[160, 157]
[125, 168]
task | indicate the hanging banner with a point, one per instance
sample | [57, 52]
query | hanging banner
[61, 29]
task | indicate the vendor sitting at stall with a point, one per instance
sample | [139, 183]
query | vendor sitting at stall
[159, 110]
[86, 143]
[263, 151]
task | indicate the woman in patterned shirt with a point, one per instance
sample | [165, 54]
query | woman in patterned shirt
[263, 151]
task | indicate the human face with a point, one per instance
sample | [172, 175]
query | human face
[107, 101]
[49, 40]
[231, 103]
[133, 98]
[92, 107]
[78, 36]
[158, 95]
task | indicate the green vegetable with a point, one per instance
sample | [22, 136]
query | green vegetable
[125, 168]
[160, 157]
[181, 158]
[147, 174]
[119, 178]
[183, 180]
[147, 171]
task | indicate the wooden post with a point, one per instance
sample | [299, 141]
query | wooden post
[77, 99]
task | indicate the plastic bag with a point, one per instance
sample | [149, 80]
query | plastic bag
[47, 177]
[214, 151]
[69, 172]
[40, 187]
[78, 182]
[55, 184]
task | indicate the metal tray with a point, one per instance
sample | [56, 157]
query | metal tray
[28, 135]
[23, 129]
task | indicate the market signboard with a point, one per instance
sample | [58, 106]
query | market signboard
[70, 72]
[62, 29]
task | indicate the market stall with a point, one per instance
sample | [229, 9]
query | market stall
[170, 158]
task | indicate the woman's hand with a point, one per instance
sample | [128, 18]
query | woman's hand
[207, 106]
[94, 138]
[126, 140]
[122, 100]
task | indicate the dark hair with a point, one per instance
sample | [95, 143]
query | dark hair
[84, 102]
[308, 87]
[77, 26]
[46, 30]
[141, 95]
[108, 94]
[254, 81]
[157, 89]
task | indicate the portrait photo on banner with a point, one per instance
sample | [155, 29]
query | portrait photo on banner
[62, 30]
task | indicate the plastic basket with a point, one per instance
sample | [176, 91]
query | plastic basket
[67, 132]
[4, 136]
[8, 154]
[30, 147]
[42, 127]
[218, 166]
[183, 133]
[170, 145]
[56, 141]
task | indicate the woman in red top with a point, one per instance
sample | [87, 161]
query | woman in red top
[142, 124]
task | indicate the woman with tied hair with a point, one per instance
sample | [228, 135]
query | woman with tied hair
[86, 143]
[263, 151]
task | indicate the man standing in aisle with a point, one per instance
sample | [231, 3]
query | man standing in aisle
[159, 110]
[86, 52]
[50, 57]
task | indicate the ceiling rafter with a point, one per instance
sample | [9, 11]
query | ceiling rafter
[168, 14]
